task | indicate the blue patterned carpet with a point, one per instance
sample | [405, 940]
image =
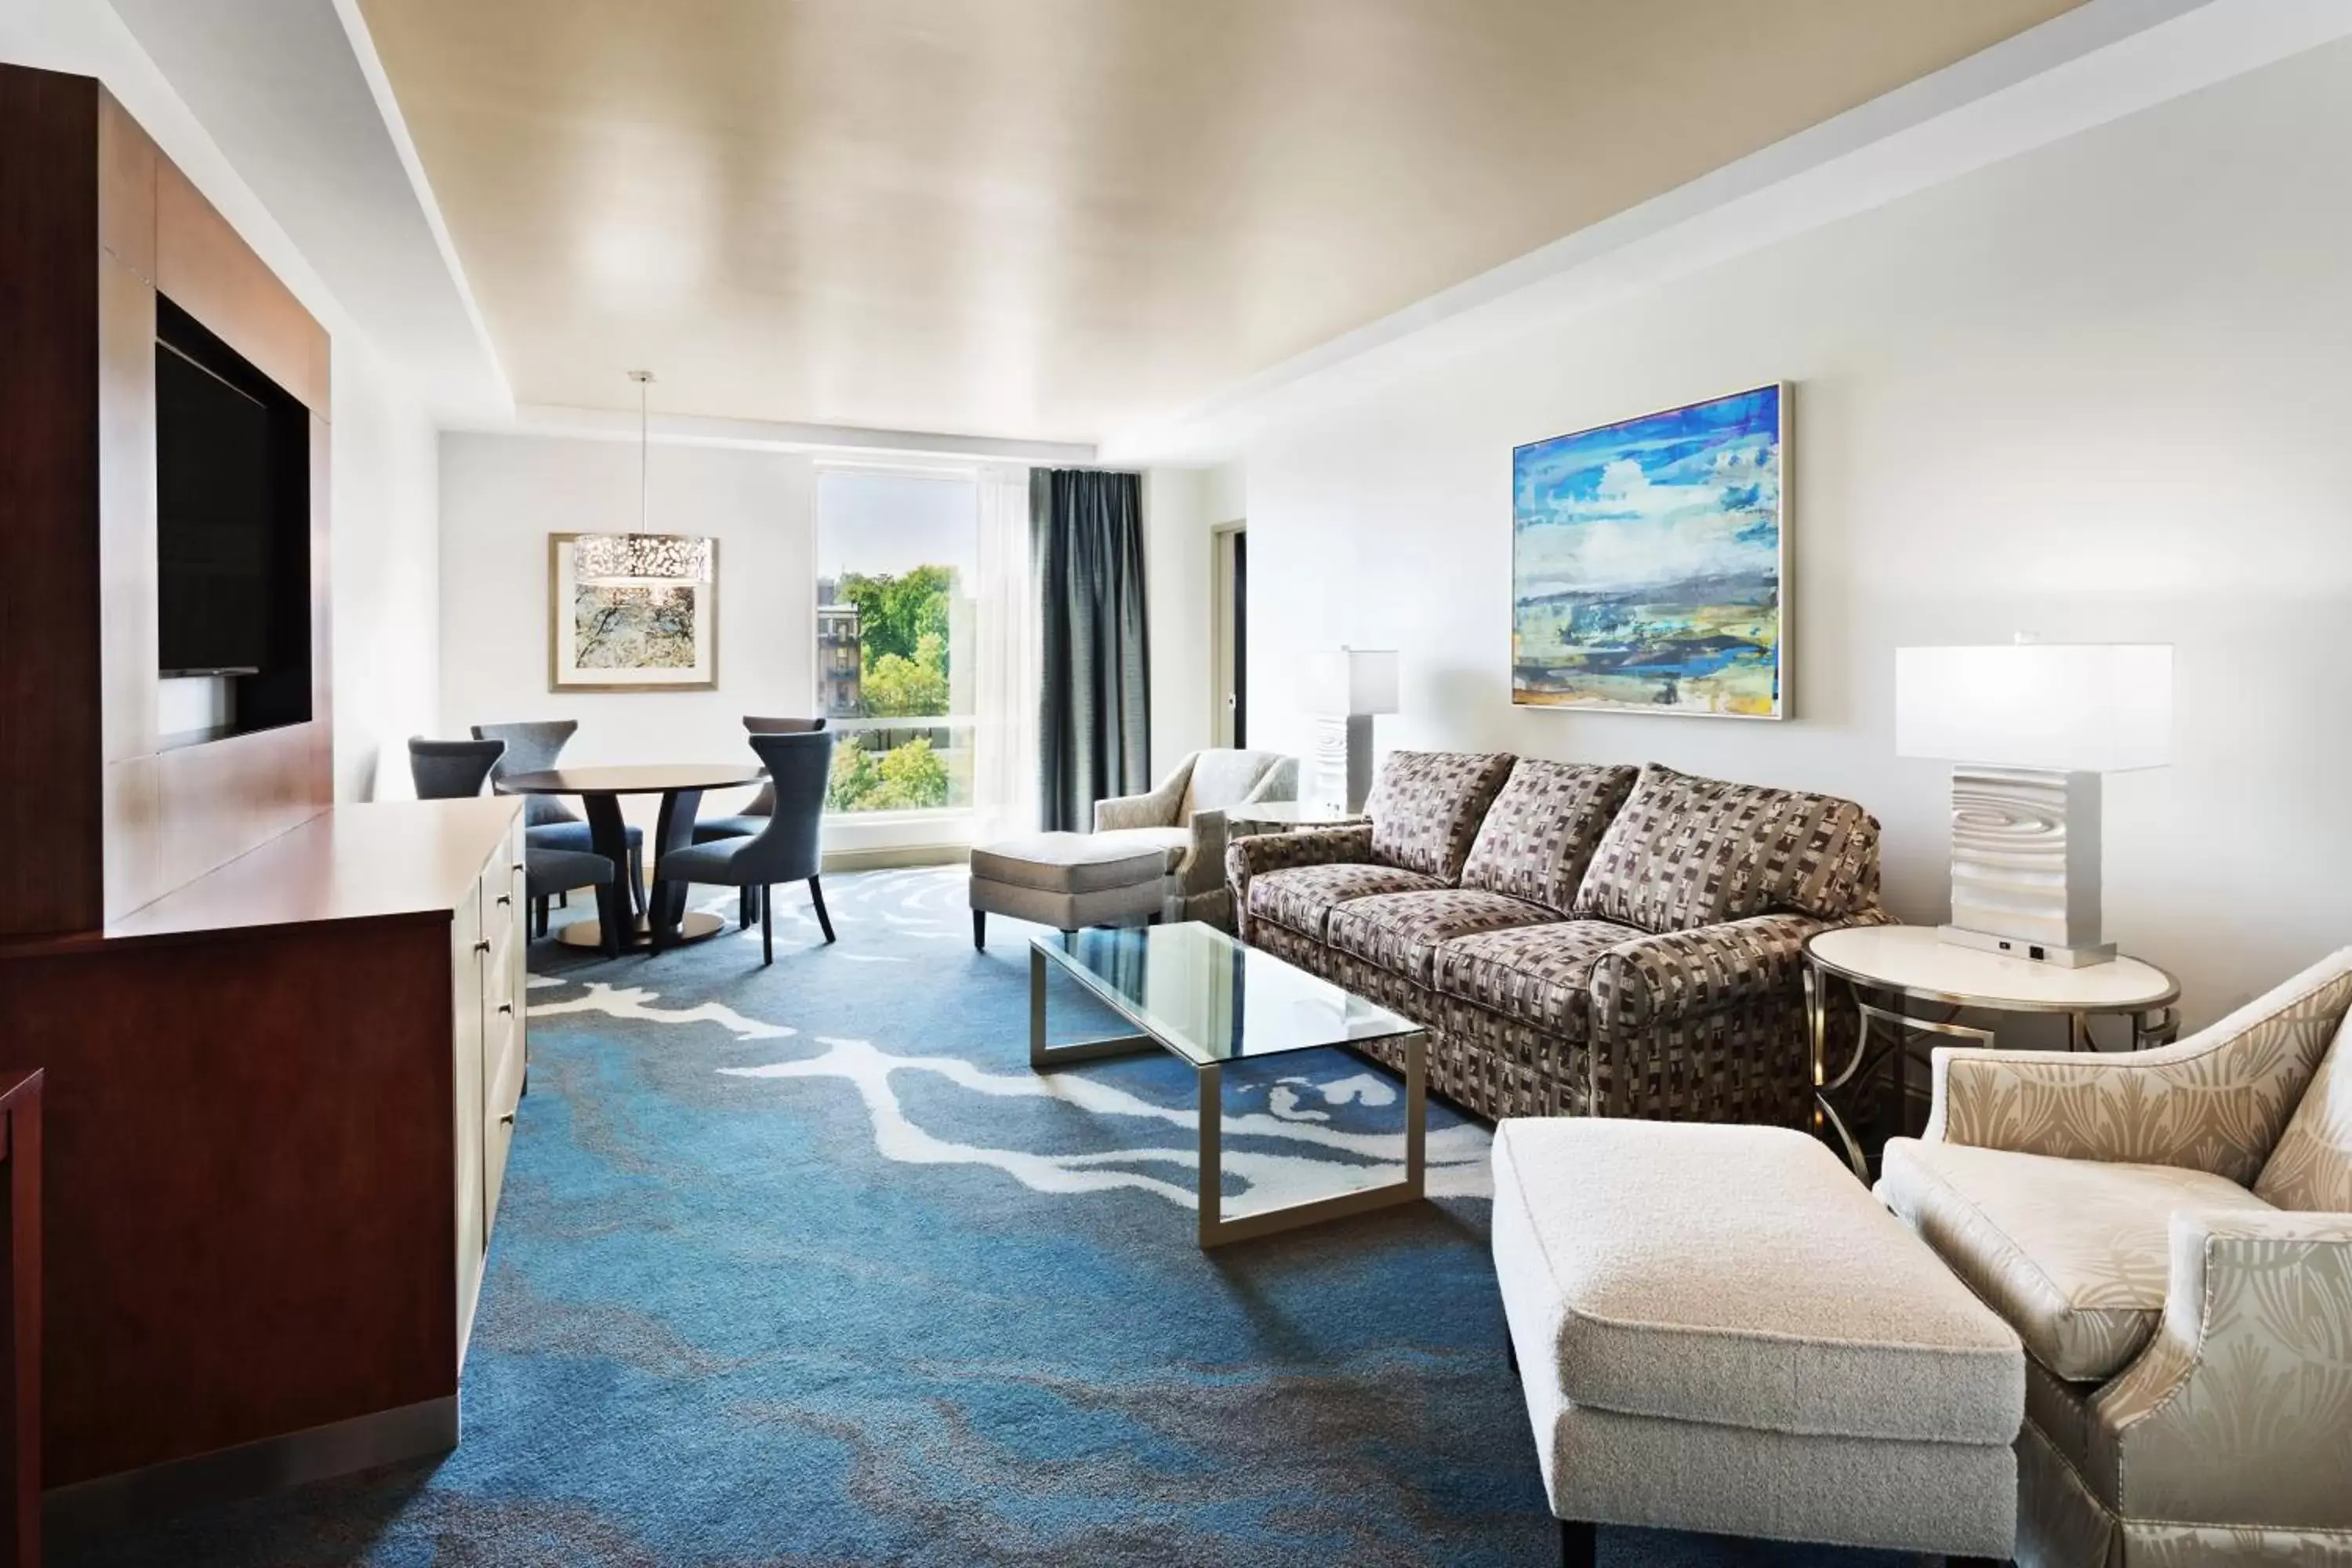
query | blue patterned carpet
[806, 1266]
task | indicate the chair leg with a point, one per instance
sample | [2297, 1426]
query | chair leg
[980, 929]
[743, 909]
[637, 877]
[563, 900]
[1578, 1544]
[539, 917]
[767, 936]
[816, 898]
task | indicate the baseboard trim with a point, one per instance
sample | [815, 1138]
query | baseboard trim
[891, 858]
[87, 1509]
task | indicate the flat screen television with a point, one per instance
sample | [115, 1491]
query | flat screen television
[233, 584]
[215, 516]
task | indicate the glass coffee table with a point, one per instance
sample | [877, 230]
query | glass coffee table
[1207, 999]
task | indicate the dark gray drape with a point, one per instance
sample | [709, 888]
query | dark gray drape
[1094, 730]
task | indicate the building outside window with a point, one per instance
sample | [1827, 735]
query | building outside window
[896, 554]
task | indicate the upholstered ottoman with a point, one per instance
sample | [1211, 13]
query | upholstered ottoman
[1065, 880]
[1719, 1329]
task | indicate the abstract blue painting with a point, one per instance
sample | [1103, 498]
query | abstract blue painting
[1647, 562]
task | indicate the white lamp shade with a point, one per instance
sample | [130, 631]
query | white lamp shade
[2071, 707]
[1351, 680]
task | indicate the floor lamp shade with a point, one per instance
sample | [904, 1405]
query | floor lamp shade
[1343, 688]
[2029, 728]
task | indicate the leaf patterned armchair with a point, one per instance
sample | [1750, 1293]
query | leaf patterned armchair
[2170, 1234]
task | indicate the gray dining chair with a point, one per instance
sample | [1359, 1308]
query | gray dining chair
[450, 770]
[548, 872]
[754, 817]
[532, 747]
[785, 849]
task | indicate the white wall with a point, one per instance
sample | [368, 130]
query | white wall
[385, 560]
[2097, 392]
[502, 496]
[381, 547]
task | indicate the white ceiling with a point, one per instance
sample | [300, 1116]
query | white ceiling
[284, 91]
[1054, 219]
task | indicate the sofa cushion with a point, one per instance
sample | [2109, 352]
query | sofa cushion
[1539, 834]
[2311, 1168]
[1427, 808]
[1686, 852]
[1399, 932]
[1537, 974]
[1300, 897]
[2074, 1253]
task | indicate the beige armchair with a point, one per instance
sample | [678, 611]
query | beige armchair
[1185, 815]
[2170, 1234]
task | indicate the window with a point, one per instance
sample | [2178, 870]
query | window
[896, 554]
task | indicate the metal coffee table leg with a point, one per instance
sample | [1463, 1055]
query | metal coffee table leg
[1215, 1230]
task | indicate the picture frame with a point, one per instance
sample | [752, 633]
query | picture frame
[650, 625]
[1650, 562]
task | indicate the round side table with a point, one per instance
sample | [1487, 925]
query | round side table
[1910, 970]
[668, 921]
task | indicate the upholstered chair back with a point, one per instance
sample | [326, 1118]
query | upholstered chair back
[2311, 1168]
[532, 748]
[1222, 779]
[798, 765]
[1686, 852]
[1427, 806]
[1543, 829]
[764, 803]
[450, 770]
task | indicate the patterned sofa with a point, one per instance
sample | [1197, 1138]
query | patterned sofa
[1579, 940]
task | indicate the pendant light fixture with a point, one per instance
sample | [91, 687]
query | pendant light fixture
[645, 554]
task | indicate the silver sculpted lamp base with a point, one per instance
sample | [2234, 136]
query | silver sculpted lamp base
[2025, 865]
[1343, 760]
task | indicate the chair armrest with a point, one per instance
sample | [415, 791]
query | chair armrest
[1155, 809]
[2216, 1101]
[1262, 852]
[1203, 866]
[2236, 1413]
[1689, 973]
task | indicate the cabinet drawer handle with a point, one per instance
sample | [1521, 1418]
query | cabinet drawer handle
[483, 945]
[515, 868]
[506, 897]
[506, 1006]
[506, 1119]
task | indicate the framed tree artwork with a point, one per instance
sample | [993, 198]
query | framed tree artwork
[632, 612]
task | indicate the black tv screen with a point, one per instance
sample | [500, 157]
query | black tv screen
[215, 518]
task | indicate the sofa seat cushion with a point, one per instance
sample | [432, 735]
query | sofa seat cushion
[1427, 808]
[1300, 897]
[2074, 1253]
[1737, 1276]
[1401, 931]
[1075, 863]
[1539, 834]
[1686, 852]
[1537, 974]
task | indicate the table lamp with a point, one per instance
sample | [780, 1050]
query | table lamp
[1343, 688]
[2029, 728]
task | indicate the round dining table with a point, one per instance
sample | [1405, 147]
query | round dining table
[666, 923]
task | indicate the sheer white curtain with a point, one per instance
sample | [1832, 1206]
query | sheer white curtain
[1006, 672]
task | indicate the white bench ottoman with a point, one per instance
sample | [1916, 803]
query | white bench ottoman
[1719, 1329]
[1065, 880]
